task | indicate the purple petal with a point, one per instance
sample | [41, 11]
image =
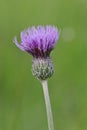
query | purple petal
[38, 41]
[18, 45]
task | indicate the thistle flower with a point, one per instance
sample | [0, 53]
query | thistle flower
[39, 42]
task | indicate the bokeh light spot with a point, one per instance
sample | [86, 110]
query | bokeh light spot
[68, 34]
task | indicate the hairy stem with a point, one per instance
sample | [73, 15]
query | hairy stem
[48, 105]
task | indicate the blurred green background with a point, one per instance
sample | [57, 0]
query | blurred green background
[21, 98]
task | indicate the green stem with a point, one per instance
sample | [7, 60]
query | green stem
[48, 105]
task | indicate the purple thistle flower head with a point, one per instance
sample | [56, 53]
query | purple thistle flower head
[38, 41]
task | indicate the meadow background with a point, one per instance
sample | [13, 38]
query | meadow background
[21, 98]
